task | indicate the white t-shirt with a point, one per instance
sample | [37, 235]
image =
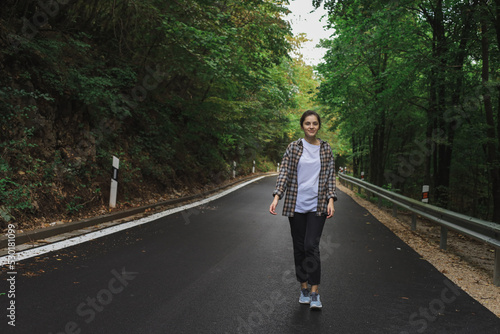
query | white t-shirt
[308, 177]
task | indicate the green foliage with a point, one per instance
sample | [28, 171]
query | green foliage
[176, 89]
[73, 206]
[16, 164]
[402, 81]
[12, 194]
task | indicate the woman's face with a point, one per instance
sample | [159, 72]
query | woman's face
[310, 126]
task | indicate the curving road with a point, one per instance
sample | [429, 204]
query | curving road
[227, 267]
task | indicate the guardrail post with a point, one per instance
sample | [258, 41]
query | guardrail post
[496, 270]
[444, 238]
[394, 210]
[359, 189]
[413, 222]
[379, 204]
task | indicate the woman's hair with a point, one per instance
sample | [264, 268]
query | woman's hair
[309, 113]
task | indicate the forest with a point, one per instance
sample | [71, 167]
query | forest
[178, 90]
[414, 88]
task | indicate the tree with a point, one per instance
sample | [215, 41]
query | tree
[412, 83]
[176, 89]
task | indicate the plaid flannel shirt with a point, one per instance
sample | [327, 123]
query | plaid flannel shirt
[287, 178]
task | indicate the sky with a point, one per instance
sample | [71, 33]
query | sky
[303, 21]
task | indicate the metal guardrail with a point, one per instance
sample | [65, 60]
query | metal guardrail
[478, 229]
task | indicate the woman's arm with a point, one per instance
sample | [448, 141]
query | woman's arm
[331, 186]
[282, 181]
[274, 204]
[331, 208]
[331, 182]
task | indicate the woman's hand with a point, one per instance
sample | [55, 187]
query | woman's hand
[330, 209]
[274, 204]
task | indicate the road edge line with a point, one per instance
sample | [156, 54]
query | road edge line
[43, 249]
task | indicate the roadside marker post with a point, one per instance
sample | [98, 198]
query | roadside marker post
[114, 183]
[425, 194]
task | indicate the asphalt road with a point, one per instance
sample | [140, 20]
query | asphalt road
[227, 267]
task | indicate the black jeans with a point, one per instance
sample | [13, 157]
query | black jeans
[306, 231]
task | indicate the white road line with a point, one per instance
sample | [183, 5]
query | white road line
[23, 255]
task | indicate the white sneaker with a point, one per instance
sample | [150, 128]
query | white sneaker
[315, 301]
[305, 297]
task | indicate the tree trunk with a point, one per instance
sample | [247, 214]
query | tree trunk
[354, 155]
[492, 155]
[377, 152]
[442, 132]
[444, 145]
[496, 194]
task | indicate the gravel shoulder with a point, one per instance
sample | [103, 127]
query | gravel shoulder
[467, 262]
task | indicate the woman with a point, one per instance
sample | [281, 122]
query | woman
[307, 175]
